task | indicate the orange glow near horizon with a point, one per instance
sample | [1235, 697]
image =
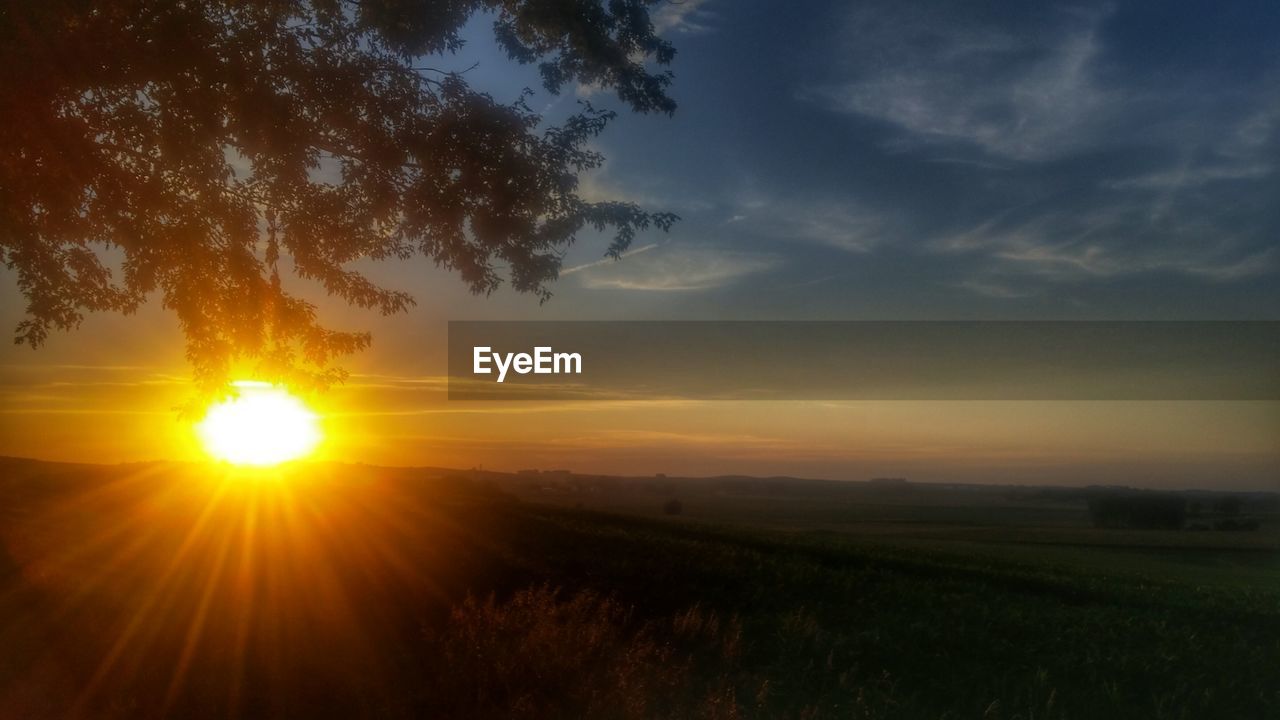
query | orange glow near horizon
[125, 414]
[263, 426]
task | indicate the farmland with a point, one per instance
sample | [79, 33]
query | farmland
[346, 591]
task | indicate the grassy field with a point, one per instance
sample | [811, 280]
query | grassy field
[149, 591]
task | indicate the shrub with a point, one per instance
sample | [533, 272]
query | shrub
[543, 654]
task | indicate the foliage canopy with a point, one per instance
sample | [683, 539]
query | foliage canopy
[201, 146]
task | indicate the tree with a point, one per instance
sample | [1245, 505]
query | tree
[207, 148]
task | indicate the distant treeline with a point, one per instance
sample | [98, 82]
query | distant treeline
[1151, 510]
[1137, 509]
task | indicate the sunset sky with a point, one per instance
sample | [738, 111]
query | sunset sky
[1092, 161]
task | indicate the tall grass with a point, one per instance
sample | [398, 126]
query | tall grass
[548, 653]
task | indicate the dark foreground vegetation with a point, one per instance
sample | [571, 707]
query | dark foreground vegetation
[149, 591]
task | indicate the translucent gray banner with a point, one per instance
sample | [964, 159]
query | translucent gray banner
[914, 360]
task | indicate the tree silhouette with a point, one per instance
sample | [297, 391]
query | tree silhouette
[204, 147]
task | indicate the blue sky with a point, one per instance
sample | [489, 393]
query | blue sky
[939, 160]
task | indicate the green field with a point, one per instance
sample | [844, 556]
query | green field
[147, 591]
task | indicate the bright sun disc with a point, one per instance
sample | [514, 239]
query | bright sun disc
[265, 425]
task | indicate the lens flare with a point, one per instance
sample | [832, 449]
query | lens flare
[264, 425]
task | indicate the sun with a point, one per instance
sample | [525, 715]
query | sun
[263, 425]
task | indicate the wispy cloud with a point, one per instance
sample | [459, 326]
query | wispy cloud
[673, 268]
[992, 289]
[1077, 161]
[847, 227]
[1262, 262]
[1118, 240]
[602, 185]
[683, 16]
[1239, 150]
[942, 78]
[1187, 175]
[844, 224]
[607, 260]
